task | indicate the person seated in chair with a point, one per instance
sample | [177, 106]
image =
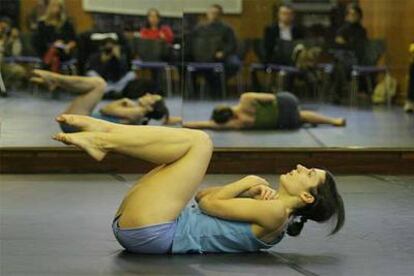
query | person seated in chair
[111, 64]
[13, 73]
[221, 40]
[154, 29]
[284, 30]
[55, 39]
[263, 111]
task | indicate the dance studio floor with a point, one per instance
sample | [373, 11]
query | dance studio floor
[28, 121]
[61, 225]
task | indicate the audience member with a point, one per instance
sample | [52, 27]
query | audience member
[215, 41]
[279, 37]
[111, 64]
[154, 29]
[352, 35]
[409, 103]
[36, 14]
[55, 39]
[10, 46]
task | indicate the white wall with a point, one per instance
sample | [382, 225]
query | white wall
[171, 8]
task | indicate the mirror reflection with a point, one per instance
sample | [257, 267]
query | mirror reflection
[296, 73]
[87, 58]
[272, 73]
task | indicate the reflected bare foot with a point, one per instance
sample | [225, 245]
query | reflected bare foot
[46, 78]
[340, 122]
[86, 141]
[85, 123]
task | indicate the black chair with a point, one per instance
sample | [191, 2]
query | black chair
[373, 50]
[153, 55]
[283, 69]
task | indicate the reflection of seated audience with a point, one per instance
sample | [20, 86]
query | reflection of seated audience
[153, 28]
[111, 64]
[409, 103]
[10, 46]
[36, 14]
[55, 39]
[279, 37]
[263, 111]
[352, 35]
[215, 41]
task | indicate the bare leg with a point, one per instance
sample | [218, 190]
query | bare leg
[90, 89]
[316, 118]
[160, 195]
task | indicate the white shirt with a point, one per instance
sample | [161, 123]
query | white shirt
[285, 32]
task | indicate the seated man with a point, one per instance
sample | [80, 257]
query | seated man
[90, 90]
[215, 41]
[263, 111]
[111, 64]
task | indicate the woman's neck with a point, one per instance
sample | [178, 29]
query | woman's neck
[289, 202]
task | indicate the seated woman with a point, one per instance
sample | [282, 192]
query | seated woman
[55, 39]
[244, 216]
[263, 111]
[91, 91]
[155, 29]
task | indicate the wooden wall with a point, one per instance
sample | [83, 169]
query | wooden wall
[81, 19]
[392, 21]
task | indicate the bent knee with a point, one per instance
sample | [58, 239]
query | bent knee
[99, 82]
[202, 139]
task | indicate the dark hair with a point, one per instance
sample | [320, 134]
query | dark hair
[159, 111]
[219, 7]
[285, 5]
[222, 114]
[328, 202]
[157, 12]
[356, 8]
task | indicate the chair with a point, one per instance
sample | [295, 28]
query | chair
[202, 51]
[373, 50]
[152, 55]
[282, 70]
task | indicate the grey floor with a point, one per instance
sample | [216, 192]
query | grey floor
[60, 225]
[28, 121]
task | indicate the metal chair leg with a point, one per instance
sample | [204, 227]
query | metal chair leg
[168, 80]
[2, 85]
[223, 84]
[354, 87]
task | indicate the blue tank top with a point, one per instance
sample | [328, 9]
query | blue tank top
[197, 232]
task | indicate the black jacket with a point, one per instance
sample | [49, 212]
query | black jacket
[46, 35]
[272, 38]
[207, 39]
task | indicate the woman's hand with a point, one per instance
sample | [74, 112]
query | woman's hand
[261, 192]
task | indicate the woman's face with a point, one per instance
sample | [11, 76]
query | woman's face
[153, 18]
[301, 180]
[352, 16]
[55, 7]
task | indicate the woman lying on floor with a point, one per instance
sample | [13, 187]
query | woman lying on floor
[263, 111]
[244, 216]
[91, 91]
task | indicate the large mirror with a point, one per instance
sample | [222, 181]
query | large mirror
[114, 60]
[268, 73]
[296, 73]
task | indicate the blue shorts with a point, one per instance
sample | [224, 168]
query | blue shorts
[153, 239]
[70, 129]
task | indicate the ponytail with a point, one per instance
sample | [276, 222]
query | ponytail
[295, 227]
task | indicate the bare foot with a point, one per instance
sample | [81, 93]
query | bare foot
[86, 141]
[340, 122]
[85, 123]
[43, 77]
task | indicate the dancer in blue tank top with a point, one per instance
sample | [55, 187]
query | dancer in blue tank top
[244, 216]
